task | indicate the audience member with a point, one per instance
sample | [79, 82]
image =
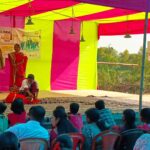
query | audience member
[143, 142]
[145, 117]
[60, 124]
[129, 117]
[105, 113]
[74, 117]
[9, 141]
[19, 114]
[3, 119]
[60, 107]
[32, 129]
[93, 127]
[65, 142]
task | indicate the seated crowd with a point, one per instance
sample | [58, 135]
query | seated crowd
[20, 125]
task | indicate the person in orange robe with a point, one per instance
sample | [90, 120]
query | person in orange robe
[18, 63]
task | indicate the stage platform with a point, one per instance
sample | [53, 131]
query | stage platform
[117, 101]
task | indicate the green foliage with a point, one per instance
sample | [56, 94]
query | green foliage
[121, 78]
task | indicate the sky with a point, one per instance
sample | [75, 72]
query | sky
[120, 43]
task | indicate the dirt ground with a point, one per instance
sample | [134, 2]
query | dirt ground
[114, 100]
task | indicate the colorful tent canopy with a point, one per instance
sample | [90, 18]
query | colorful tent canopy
[72, 65]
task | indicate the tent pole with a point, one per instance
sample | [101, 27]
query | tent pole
[143, 61]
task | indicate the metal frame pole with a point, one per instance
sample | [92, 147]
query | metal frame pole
[143, 61]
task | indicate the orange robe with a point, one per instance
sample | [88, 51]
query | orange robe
[17, 72]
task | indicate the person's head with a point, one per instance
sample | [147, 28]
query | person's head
[60, 107]
[30, 78]
[92, 115]
[65, 142]
[60, 121]
[17, 47]
[145, 115]
[2, 107]
[58, 115]
[8, 141]
[36, 113]
[129, 117]
[17, 106]
[74, 108]
[100, 104]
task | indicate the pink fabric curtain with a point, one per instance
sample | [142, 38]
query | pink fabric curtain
[39, 6]
[65, 57]
[8, 21]
[116, 12]
[4, 77]
[12, 21]
[120, 28]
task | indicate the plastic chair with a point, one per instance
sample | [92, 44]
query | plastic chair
[105, 139]
[33, 144]
[78, 140]
[127, 139]
[56, 146]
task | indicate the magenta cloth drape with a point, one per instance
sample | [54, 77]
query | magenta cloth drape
[4, 77]
[11, 21]
[140, 5]
[121, 28]
[39, 6]
[65, 57]
[116, 12]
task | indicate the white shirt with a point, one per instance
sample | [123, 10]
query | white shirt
[26, 85]
[31, 129]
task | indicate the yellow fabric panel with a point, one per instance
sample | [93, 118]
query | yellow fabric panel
[9, 4]
[79, 10]
[41, 67]
[87, 69]
[138, 16]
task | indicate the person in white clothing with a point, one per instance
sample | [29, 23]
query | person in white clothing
[29, 87]
[31, 129]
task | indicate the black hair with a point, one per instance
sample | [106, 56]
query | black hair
[30, 76]
[93, 115]
[37, 113]
[64, 125]
[17, 106]
[145, 114]
[16, 44]
[3, 107]
[129, 118]
[100, 104]
[65, 141]
[8, 141]
[74, 108]
[60, 107]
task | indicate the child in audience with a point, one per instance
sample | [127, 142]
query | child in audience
[60, 107]
[3, 119]
[60, 124]
[105, 113]
[19, 114]
[74, 117]
[93, 127]
[128, 121]
[145, 117]
[8, 141]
